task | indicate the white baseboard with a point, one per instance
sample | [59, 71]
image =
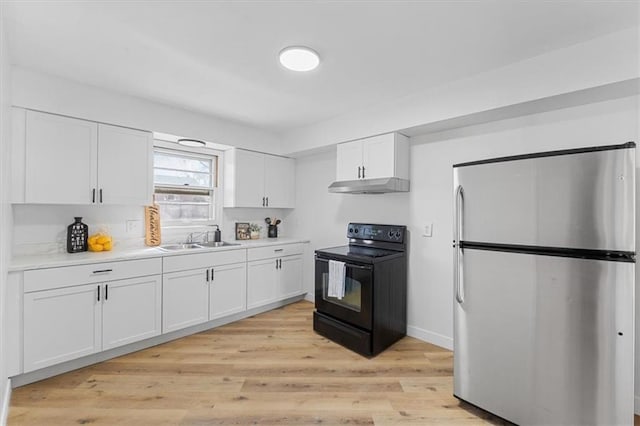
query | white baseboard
[310, 297]
[4, 414]
[637, 405]
[430, 337]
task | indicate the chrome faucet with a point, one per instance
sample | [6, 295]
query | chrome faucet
[205, 235]
[191, 235]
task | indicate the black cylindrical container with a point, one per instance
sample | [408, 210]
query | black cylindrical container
[273, 231]
[77, 236]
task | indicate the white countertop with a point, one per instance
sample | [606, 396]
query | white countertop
[53, 260]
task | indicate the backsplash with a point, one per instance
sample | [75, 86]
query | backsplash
[41, 229]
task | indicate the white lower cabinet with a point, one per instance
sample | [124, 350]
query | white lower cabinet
[185, 296]
[227, 290]
[131, 311]
[67, 323]
[290, 283]
[261, 282]
[200, 287]
[74, 311]
[61, 325]
[273, 273]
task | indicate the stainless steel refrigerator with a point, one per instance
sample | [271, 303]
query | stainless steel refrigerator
[544, 259]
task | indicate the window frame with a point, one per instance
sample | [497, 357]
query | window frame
[215, 208]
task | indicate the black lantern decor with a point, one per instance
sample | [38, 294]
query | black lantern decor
[77, 236]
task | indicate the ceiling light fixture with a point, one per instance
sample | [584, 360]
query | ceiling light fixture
[191, 142]
[299, 58]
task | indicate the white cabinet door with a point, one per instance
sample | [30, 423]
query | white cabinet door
[185, 299]
[279, 181]
[125, 166]
[61, 325]
[249, 185]
[378, 156]
[228, 290]
[262, 278]
[349, 161]
[60, 159]
[131, 310]
[290, 282]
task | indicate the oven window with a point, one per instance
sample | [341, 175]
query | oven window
[352, 293]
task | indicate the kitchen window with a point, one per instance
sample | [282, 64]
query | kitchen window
[185, 186]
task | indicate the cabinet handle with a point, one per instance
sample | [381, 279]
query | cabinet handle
[103, 271]
[98, 293]
[100, 195]
[106, 292]
[280, 263]
[276, 263]
[262, 201]
[93, 195]
[362, 176]
[212, 271]
[359, 172]
[207, 275]
[267, 201]
[277, 250]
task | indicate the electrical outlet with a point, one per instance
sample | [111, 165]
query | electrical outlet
[428, 230]
[134, 227]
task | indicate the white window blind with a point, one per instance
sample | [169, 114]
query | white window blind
[185, 185]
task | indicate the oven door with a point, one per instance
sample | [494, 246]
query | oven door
[356, 305]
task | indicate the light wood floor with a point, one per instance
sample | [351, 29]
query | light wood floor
[271, 369]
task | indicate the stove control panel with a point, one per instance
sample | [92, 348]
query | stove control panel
[387, 233]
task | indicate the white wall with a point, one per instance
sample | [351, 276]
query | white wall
[323, 216]
[5, 208]
[599, 62]
[48, 93]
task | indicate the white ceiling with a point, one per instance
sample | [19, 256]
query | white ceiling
[220, 57]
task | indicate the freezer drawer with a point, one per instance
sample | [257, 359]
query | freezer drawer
[546, 340]
[583, 200]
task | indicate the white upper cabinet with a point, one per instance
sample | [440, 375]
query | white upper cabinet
[72, 161]
[61, 159]
[279, 177]
[253, 179]
[376, 157]
[125, 166]
[243, 178]
[349, 165]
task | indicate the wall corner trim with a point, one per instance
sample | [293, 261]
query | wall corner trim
[430, 337]
[636, 407]
[4, 414]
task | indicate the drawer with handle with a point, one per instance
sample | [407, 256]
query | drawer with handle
[67, 276]
[269, 252]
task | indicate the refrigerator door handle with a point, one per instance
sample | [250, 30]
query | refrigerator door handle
[458, 230]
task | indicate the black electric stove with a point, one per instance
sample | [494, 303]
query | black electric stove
[372, 314]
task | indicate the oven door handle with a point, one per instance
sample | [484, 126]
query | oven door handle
[349, 265]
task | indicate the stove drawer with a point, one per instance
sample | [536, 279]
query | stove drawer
[348, 336]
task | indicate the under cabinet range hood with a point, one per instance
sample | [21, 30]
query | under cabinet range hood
[370, 186]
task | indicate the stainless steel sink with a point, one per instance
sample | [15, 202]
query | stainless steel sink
[185, 246]
[217, 244]
[192, 246]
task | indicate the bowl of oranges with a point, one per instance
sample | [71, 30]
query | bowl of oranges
[100, 242]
